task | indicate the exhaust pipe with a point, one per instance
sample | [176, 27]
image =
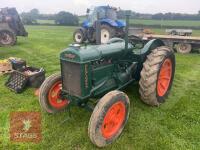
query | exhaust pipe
[98, 30]
[128, 13]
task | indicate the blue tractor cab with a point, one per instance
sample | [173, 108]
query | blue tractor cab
[110, 25]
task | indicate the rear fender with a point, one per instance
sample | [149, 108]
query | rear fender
[82, 29]
[121, 24]
[5, 26]
[86, 24]
[109, 22]
[151, 45]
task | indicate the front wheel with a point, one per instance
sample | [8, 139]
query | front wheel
[79, 36]
[157, 76]
[49, 96]
[7, 38]
[109, 118]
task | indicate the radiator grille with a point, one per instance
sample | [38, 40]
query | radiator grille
[71, 73]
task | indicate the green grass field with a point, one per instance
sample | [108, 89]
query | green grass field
[175, 125]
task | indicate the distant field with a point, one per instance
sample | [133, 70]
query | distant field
[185, 23]
[46, 21]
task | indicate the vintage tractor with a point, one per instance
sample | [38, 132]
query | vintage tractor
[110, 25]
[93, 76]
[10, 27]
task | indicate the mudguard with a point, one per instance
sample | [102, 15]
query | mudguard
[5, 26]
[121, 23]
[81, 29]
[113, 23]
[86, 24]
[151, 45]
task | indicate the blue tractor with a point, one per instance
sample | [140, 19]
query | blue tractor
[110, 25]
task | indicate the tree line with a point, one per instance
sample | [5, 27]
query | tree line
[61, 18]
[160, 16]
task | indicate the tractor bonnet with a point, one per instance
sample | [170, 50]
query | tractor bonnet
[95, 52]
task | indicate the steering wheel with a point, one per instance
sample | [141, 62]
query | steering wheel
[134, 40]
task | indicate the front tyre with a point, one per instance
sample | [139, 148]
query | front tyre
[157, 76]
[79, 36]
[7, 38]
[49, 96]
[109, 118]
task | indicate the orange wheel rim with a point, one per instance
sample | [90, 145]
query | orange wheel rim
[164, 77]
[113, 120]
[54, 96]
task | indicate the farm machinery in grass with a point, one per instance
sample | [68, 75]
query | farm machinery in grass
[92, 77]
[10, 27]
[110, 25]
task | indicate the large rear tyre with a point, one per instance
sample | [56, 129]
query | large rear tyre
[157, 76]
[7, 38]
[107, 33]
[184, 48]
[49, 96]
[109, 118]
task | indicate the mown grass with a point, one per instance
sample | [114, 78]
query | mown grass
[174, 125]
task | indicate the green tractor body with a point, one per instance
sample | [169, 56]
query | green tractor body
[92, 76]
[92, 71]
